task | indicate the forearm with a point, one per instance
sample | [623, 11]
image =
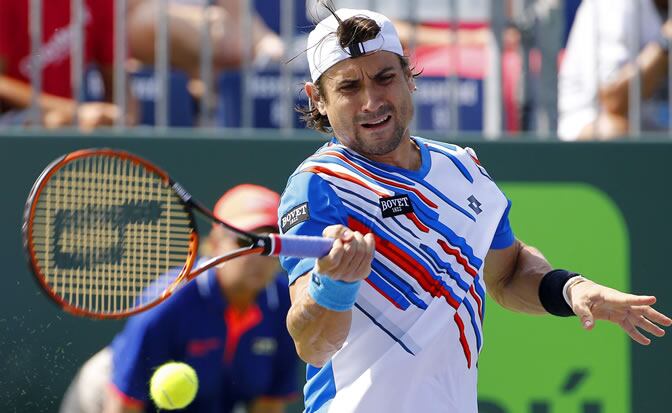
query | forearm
[517, 288]
[652, 63]
[318, 332]
[18, 94]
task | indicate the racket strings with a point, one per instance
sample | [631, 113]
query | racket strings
[109, 234]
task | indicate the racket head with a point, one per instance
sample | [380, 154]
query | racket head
[106, 234]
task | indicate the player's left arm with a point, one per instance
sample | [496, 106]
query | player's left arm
[513, 276]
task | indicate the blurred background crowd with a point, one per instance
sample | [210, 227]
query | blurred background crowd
[591, 69]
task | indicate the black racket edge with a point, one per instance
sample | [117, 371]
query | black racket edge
[262, 241]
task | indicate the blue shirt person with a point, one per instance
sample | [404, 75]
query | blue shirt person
[228, 324]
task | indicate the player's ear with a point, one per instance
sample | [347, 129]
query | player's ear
[315, 98]
[410, 79]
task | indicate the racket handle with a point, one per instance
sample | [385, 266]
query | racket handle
[300, 245]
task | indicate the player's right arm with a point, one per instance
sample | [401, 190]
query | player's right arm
[319, 332]
[310, 206]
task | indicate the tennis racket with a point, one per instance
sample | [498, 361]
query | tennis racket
[108, 234]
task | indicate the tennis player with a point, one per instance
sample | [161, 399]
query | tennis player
[228, 324]
[391, 319]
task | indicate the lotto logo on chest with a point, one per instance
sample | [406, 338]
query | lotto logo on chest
[395, 205]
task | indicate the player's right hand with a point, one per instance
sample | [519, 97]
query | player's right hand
[350, 256]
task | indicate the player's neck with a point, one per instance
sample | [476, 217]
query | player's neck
[406, 155]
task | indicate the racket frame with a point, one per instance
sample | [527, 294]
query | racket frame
[270, 244]
[28, 242]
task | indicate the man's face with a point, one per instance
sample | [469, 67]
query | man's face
[368, 102]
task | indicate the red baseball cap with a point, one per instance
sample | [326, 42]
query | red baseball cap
[248, 207]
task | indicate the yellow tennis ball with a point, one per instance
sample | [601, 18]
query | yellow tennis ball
[173, 386]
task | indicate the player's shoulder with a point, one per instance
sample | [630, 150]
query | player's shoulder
[464, 158]
[450, 149]
[325, 154]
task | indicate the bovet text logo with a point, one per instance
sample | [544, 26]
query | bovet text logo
[295, 215]
[395, 205]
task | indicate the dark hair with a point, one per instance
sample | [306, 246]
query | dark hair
[352, 31]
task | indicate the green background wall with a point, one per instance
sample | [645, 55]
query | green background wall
[600, 208]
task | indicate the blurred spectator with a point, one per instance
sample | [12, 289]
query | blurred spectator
[426, 22]
[228, 324]
[596, 70]
[57, 104]
[186, 19]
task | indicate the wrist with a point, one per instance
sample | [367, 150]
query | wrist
[566, 290]
[553, 291]
[332, 294]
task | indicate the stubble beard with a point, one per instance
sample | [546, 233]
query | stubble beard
[384, 147]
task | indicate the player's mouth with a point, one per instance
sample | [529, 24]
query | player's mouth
[377, 123]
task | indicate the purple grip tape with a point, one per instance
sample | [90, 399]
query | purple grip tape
[304, 246]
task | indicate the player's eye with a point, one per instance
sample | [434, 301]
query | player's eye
[386, 78]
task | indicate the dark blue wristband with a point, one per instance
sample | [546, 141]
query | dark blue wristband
[550, 292]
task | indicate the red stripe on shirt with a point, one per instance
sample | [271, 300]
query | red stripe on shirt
[459, 257]
[463, 339]
[327, 171]
[406, 263]
[387, 297]
[478, 301]
[378, 178]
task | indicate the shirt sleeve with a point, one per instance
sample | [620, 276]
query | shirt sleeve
[143, 345]
[504, 236]
[308, 205]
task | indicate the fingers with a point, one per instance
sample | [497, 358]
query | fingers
[619, 298]
[648, 326]
[632, 331]
[582, 310]
[350, 256]
[656, 317]
[337, 231]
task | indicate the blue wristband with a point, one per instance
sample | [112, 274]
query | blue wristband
[333, 294]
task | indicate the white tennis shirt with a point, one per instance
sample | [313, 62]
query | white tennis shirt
[417, 322]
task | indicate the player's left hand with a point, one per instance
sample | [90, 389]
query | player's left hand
[592, 301]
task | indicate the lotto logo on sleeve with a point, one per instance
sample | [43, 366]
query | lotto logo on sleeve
[395, 205]
[295, 216]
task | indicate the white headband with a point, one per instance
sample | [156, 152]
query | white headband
[324, 49]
